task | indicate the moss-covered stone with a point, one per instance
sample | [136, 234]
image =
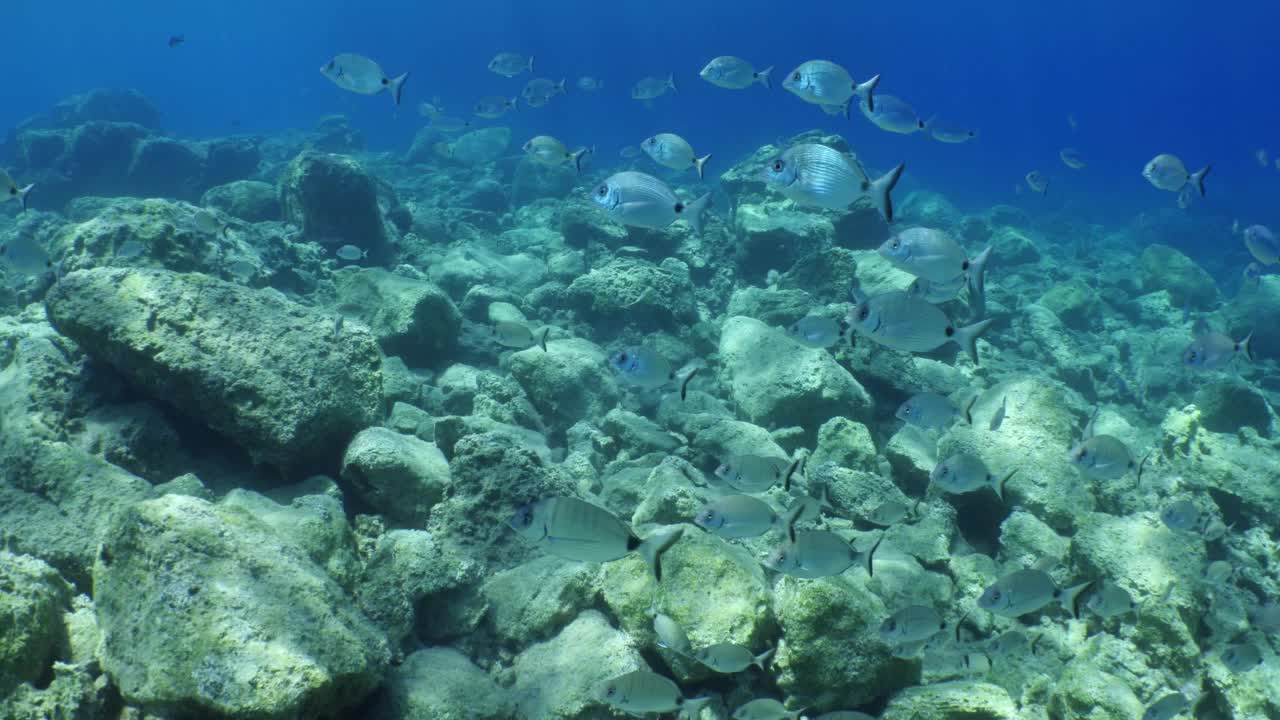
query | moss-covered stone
[442, 684]
[32, 599]
[399, 475]
[1161, 267]
[557, 679]
[956, 700]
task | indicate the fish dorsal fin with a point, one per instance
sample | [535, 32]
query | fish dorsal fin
[1089, 429]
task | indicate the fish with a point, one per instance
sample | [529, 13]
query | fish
[642, 367]
[949, 132]
[728, 658]
[25, 255]
[672, 151]
[577, 530]
[1261, 156]
[743, 516]
[998, 419]
[641, 200]
[889, 513]
[814, 174]
[1014, 642]
[649, 88]
[817, 331]
[812, 554]
[1241, 657]
[509, 64]
[587, 83]
[1071, 158]
[932, 254]
[242, 270]
[449, 124]
[1071, 121]
[964, 473]
[1167, 172]
[893, 114]
[1109, 600]
[1026, 591]
[1182, 516]
[756, 473]
[492, 107]
[518, 335]
[822, 82]
[734, 73]
[765, 709]
[931, 410]
[430, 110]
[630, 152]
[337, 325]
[642, 691]
[1213, 350]
[207, 223]
[12, 191]
[539, 91]
[1038, 182]
[351, 253]
[1262, 244]
[1167, 707]
[176, 40]
[1214, 529]
[1218, 572]
[130, 249]
[911, 624]
[358, 74]
[670, 635]
[899, 321]
[550, 151]
[1106, 457]
[936, 293]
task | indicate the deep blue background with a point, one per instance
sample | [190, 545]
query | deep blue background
[1192, 78]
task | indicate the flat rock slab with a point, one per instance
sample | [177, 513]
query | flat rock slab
[267, 373]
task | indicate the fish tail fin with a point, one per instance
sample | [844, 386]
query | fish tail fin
[1245, 346]
[543, 340]
[967, 337]
[576, 156]
[882, 189]
[867, 90]
[693, 212]
[976, 281]
[871, 554]
[791, 471]
[560, 86]
[762, 660]
[1070, 598]
[1143, 463]
[396, 86]
[999, 484]
[763, 77]
[24, 192]
[514, 104]
[967, 413]
[671, 82]
[530, 64]
[684, 384]
[792, 516]
[927, 125]
[699, 163]
[1198, 178]
[652, 548]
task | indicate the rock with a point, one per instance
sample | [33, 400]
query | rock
[770, 306]
[231, 159]
[408, 574]
[1086, 692]
[239, 619]
[413, 319]
[1243, 311]
[166, 167]
[263, 371]
[1146, 557]
[568, 382]
[249, 200]
[32, 604]
[533, 601]
[482, 146]
[1025, 541]
[825, 274]
[442, 684]
[636, 292]
[1160, 267]
[309, 515]
[398, 475]
[583, 225]
[955, 700]
[921, 207]
[1076, 304]
[76, 691]
[772, 377]
[334, 134]
[557, 679]
[771, 238]
[1230, 404]
[334, 200]
[99, 104]
[847, 444]
[106, 147]
[485, 195]
[1011, 247]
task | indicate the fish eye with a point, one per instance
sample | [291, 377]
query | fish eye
[995, 595]
[795, 76]
[622, 357]
[610, 691]
[602, 191]
[896, 244]
[944, 471]
[863, 312]
[893, 626]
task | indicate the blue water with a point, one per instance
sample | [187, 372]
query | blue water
[1141, 77]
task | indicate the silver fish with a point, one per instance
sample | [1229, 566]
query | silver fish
[822, 82]
[1214, 528]
[816, 331]
[931, 410]
[430, 110]
[449, 124]
[888, 513]
[1167, 707]
[634, 198]
[1026, 591]
[1241, 657]
[672, 151]
[998, 419]
[587, 83]
[550, 151]
[492, 107]
[670, 635]
[1104, 456]
[642, 691]
[742, 516]
[1262, 244]
[1109, 600]
[930, 254]
[648, 88]
[1071, 158]
[539, 91]
[1167, 172]
[1038, 182]
[130, 249]
[1266, 617]
[765, 709]
[509, 64]
[893, 114]
[1213, 350]
[351, 253]
[359, 74]
[1218, 572]
[9, 190]
[577, 530]
[729, 658]
[936, 293]
[642, 367]
[814, 174]
[25, 255]
[206, 222]
[1182, 516]
[964, 473]
[518, 335]
[899, 321]
[756, 473]
[949, 132]
[815, 554]
[911, 624]
[734, 73]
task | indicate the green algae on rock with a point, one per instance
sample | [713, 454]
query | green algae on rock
[31, 606]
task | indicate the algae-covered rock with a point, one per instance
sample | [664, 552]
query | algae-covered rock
[410, 318]
[265, 372]
[771, 306]
[1075, 303]
[1086, 692]
[557, 679]
[334, 200]
[32, 599]
[532, 601]
[249, 200]
[398, 475]
[636, 292]
[407, 573]
[1227, 405]
[846, 443]
[206, 609]
[441, 684]
[1161, 267]
[168, 167]
[568, 382]
[772, 238]
[75, 691]
[956, 700]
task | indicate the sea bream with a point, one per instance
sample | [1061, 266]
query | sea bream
[743, 516]
[359, 74]
[899, 321]
[893, 114]
[509, 64]
[11, 191]
[641, 200]
[734, 73]
[1104, 456]
[822, 82]
[812, 554]
[1212, 350]
[550, 151]
[933, 255]
[672, 151]
[933, 411]
[1026, 591]
[577, 530]
[1167, 172]
[814, 174]
[642, 691]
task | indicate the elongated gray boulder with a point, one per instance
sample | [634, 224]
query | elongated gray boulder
[267, 373]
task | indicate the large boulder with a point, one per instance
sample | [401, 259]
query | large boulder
[568, 382]
[267, 373]
[413, 319]
[442, 684]
[636, 292]
[398, 475]
[1161, 267]
[557, 679]
[772, 238]
[205, 610]
[166, 167]
[249, 200]
[334, 200]
[31, 606]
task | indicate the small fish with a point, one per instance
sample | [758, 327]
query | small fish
[893, 114]
[176, 40]
[812, 554]
[130, 249]
[889, 513]
[1038, 182]
[642, 691]
[932, 411]
[351, 253]
[1071, 158]
[1182, 516]
[734, 73]
[672, 151]
[899, 321]
[998, 419]
[11, 191]
[742, 516]
[822, 82]
[577, 530]
[630, 152]
[1212, 350]
[1218, 572]
[430, 110]
[728, 658]
[337, 325]
[1214, 529]
[642, 367]
[207, 223]
[1104, 456]
[641, 200]
[1167, 172]
[242, 270]
[509, 64]
[586, 83]
[936, 293]
[765, 709]
[1261, 156]
[911, 624]
[359, 74]
[1262, 244]
[539, 91]
[1167, 707]
[550, 151]
[649, 88]
[931, 254]
[1109, 600]
[949, 132]
[449, 124]
[25, 255]
[756, 473]
[1241, 657]
[1014, 642]
[964, 473]
[492, 107]
[670, 635]
[1026, 591]
[814, 174]
[517, 335]
[817, 331]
